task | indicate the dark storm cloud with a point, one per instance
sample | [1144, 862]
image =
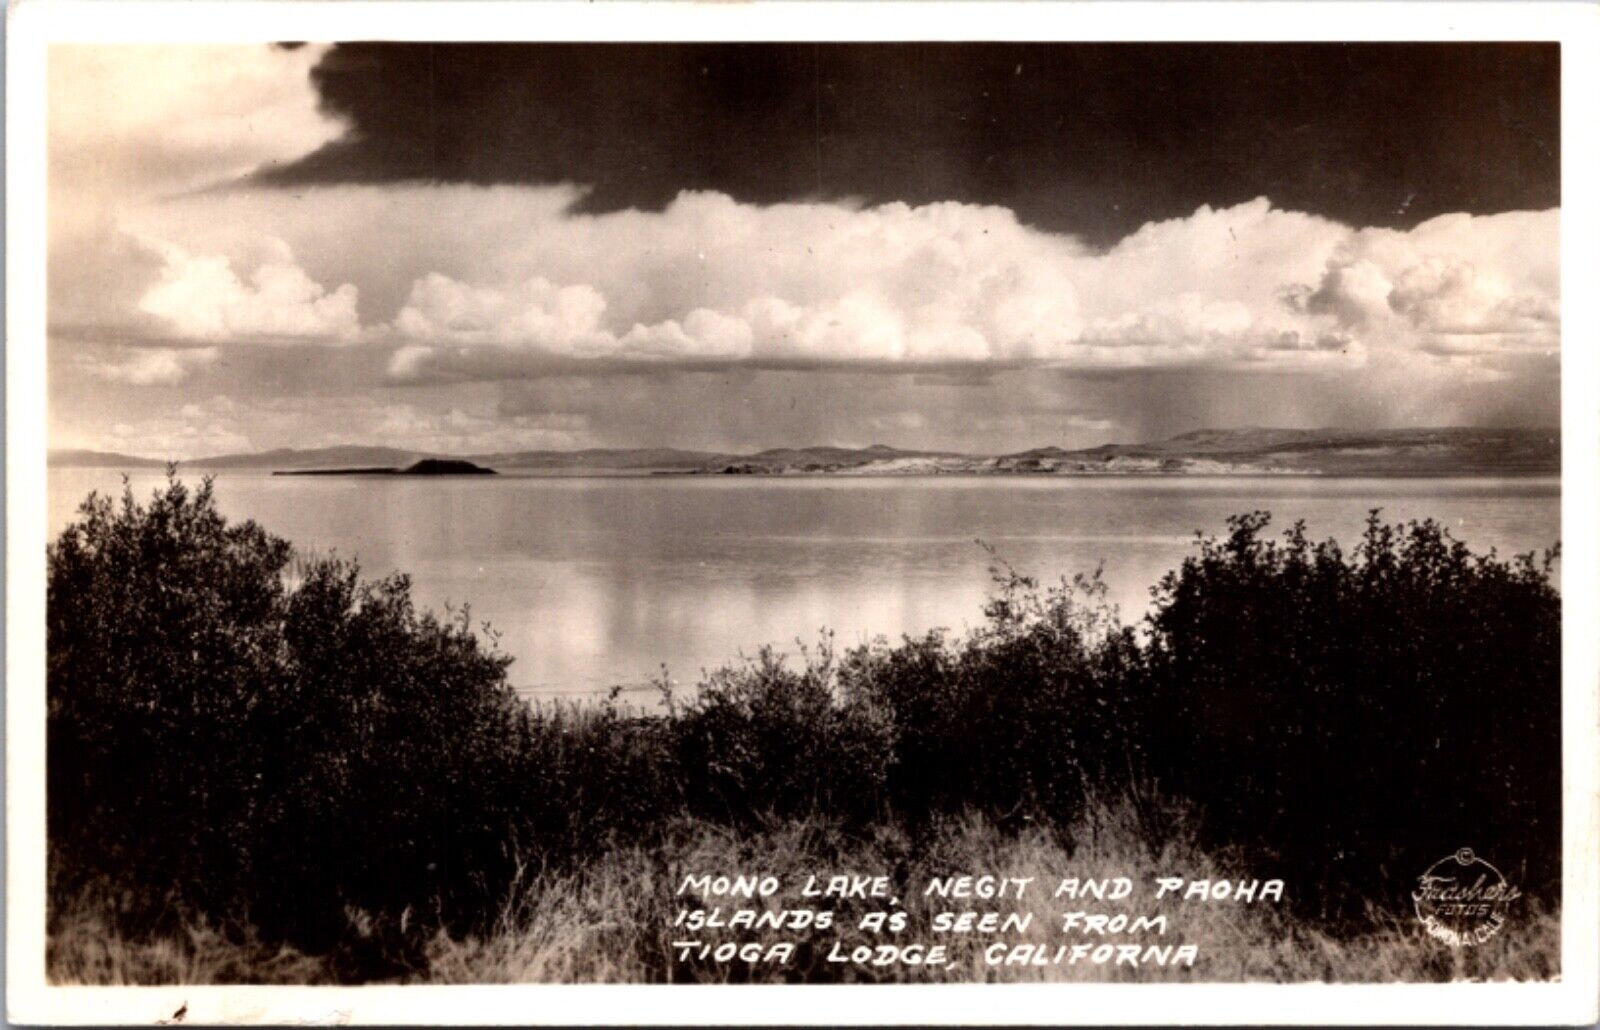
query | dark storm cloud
[1094, 139]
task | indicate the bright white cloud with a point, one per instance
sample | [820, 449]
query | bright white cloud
[202, 297]
[564, 319]
[711, 280]
[459, 281]
[1455, 285]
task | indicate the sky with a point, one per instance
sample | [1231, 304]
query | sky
[983, 248]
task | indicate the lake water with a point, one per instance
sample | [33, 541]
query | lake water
[600, 581]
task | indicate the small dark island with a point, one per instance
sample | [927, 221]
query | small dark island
[446, 467]
[425, 467]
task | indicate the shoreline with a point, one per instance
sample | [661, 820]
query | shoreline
[517, 473]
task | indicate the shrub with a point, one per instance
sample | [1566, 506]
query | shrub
[298, 755]
[1363, 715]
[598, 777]
[1017, 721]
[764, 740]
[163, 627]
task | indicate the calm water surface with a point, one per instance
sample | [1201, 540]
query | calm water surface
[594, 582]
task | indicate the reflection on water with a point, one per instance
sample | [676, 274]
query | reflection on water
[593, 582]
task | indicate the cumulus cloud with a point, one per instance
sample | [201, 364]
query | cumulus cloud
[455, 293]
[563, 319]
[1243, 287]
[203, 297]
[1453, 286]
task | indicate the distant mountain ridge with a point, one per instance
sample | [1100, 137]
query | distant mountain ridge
[1453, 451]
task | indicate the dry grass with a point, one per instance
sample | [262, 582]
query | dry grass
[612, 921]
[85, 948]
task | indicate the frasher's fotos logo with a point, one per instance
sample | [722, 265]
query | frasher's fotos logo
[1463, 901]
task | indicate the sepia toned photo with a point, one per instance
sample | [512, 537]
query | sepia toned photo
[796, 511]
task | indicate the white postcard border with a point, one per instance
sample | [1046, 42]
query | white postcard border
[33, 24]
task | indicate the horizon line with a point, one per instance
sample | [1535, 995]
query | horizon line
[53, 452]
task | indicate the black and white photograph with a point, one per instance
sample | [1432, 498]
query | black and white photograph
[668, 508]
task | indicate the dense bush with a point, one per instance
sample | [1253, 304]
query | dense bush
[1020, 720]
[763, 739]
[295, 754]
[280, 743]
[1017, 721]
[597, 777]
[1363, 715]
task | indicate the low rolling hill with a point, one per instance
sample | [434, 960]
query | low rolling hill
[1446, 451]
